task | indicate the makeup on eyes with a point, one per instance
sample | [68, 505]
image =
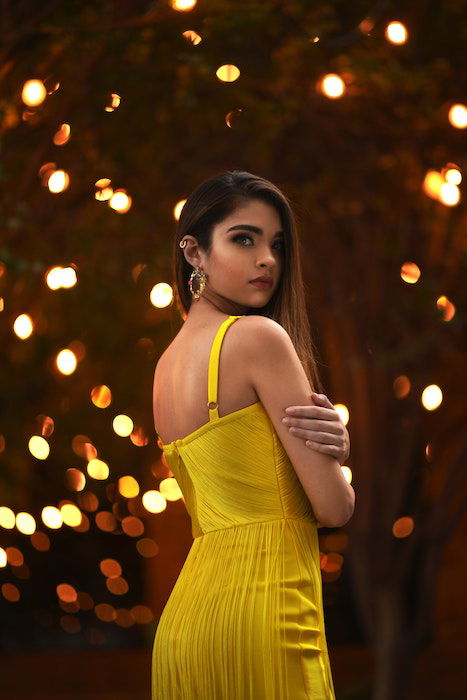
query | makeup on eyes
[239, 236]
[250, 227]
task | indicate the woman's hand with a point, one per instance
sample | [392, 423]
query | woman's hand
[321, 426]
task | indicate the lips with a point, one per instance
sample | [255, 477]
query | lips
[264, 283]
[267, 280]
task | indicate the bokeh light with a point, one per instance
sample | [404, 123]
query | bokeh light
[23, 326]
[403, 527]
[347, 473]
[401, 386]
[178, 208]
[51, 517]
[432, 397]
[34, 92]
[343, 412]
[154, 501]
[332, 86]
[396, 33]
[228, 73]
[161, 295]
[458, 116]
[410, 272]
[120, 201]
[123, 425]
[182, 5]
[97, 469]
[446, 307]
[58, 181]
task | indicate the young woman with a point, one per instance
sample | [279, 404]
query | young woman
[244, 620]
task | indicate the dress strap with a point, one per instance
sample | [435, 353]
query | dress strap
[213, 370]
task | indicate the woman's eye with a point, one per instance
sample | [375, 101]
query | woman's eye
[242, 236]
[279, 243]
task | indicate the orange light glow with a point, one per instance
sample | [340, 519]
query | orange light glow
[192, 36]
[66, 593]
[458, 116]
[113, 102]
[447, 307]
[161, 295]
[432, 397]
[401, 386]
[332, 86]
[23, 326]
[33, 93]
[154, 501]
[410, 272]
[120, 201]
[228, 73]
[396, 33]
[182, 5]
[62, 135]
[178, 209]
[110, 568]
[403, 527]
[58, 181]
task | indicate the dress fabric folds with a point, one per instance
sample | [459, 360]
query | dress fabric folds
[244, 620]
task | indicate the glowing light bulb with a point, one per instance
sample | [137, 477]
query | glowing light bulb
[332, 86]
[396, 33]
[33, 93]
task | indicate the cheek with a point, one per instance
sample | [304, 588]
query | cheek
[229, 263]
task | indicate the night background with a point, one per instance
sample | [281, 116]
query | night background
[358, 112]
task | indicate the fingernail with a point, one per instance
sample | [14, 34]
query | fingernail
[285, 420]
[289, 410]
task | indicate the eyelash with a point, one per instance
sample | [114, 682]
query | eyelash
[244, 235]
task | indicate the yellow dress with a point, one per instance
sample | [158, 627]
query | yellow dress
[244, 620]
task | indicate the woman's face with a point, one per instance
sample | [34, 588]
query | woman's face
[247, 244]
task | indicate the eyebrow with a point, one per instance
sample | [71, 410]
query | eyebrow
[249, 227]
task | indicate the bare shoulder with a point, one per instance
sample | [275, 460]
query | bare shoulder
[279, 379]
[259, 324]
[160, 362]
[272, 364]
[260, 334]
[258, 328]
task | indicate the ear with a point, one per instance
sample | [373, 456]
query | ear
[192, 252]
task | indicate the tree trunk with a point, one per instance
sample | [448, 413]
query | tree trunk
[395, 652]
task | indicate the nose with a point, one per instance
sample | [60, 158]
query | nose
[266, 258]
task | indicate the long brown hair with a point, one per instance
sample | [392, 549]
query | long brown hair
[209, 204]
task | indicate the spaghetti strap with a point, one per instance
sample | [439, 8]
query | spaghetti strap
[213, 370]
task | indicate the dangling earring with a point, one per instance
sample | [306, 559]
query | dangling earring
[201, 278]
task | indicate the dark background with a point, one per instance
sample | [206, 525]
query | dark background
[354, 169]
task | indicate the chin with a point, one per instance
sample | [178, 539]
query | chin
[258, 305]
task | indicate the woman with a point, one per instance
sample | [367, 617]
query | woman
[244, 620]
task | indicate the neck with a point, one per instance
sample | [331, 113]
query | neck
[211, 301]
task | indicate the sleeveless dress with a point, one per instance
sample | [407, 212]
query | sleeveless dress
[244, 620]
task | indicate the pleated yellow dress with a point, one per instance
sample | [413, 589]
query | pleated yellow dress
[244, 620]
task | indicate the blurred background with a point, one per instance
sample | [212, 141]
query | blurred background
[111, 113]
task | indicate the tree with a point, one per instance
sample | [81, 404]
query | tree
[355, 169]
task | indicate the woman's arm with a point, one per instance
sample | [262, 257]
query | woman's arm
[320, 426]
[267, 347]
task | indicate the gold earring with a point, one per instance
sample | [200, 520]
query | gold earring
[201, 278]
[183, 243]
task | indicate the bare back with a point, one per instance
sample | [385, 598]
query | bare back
[180, 400]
